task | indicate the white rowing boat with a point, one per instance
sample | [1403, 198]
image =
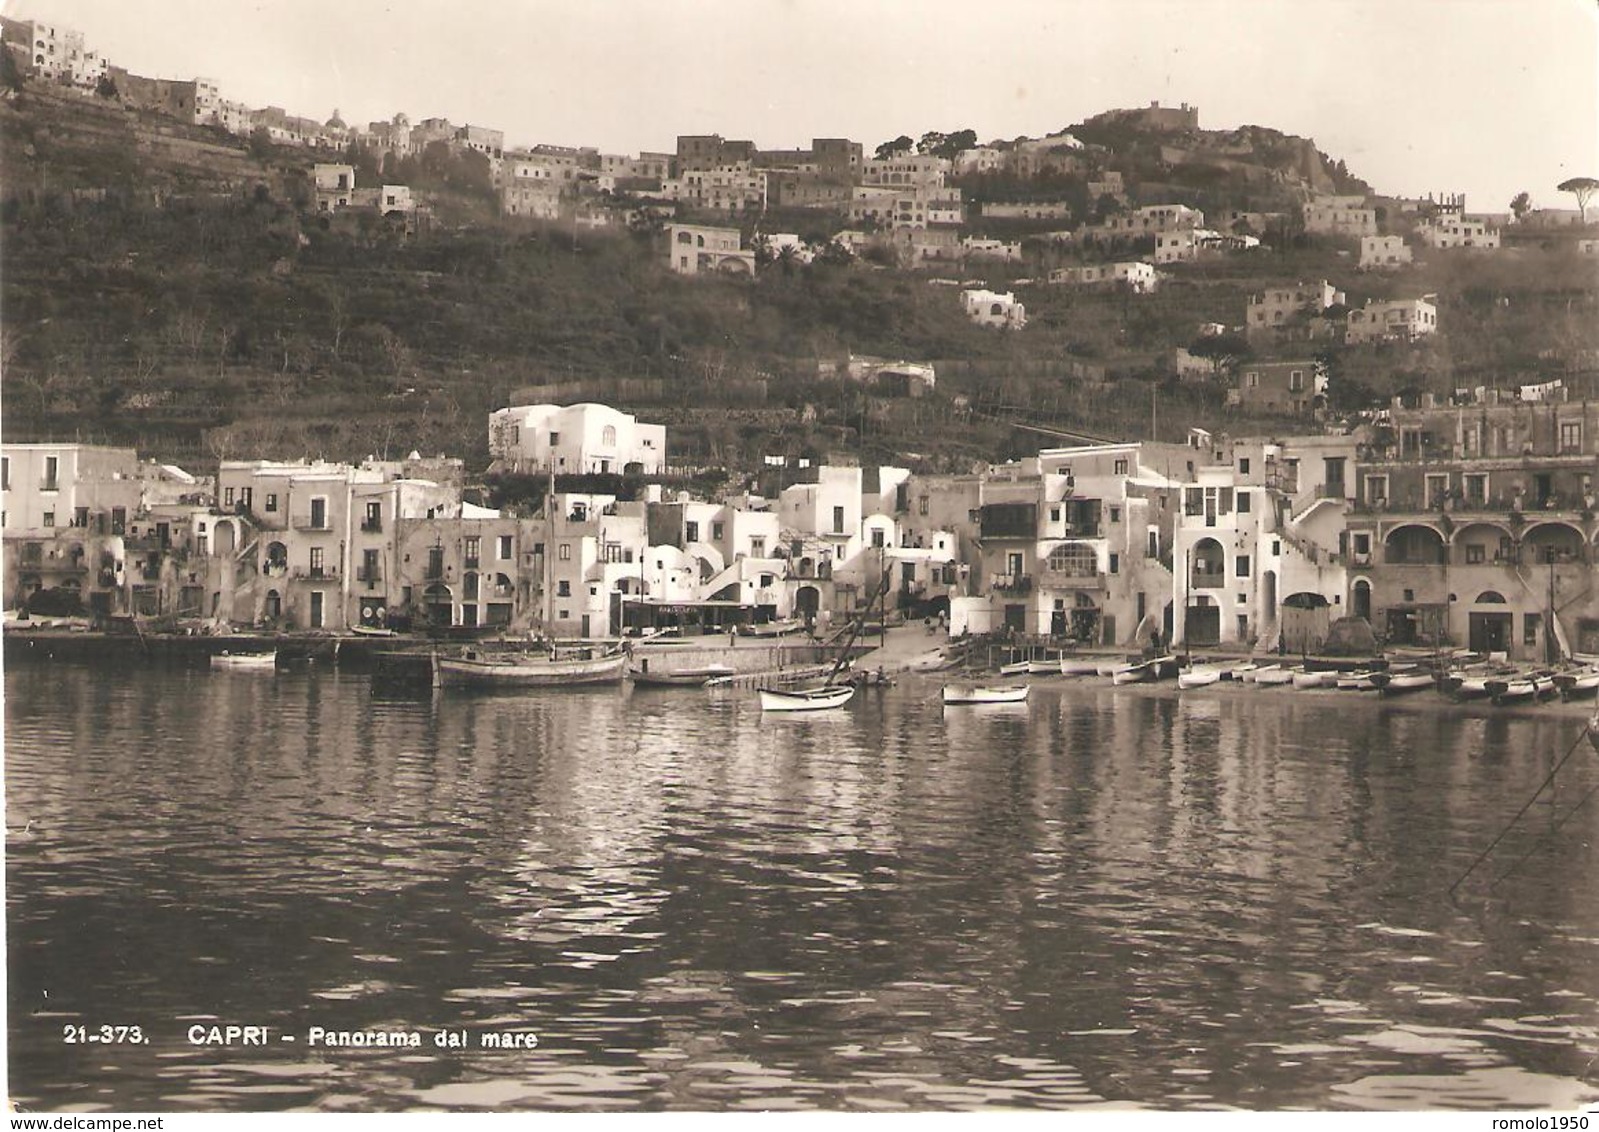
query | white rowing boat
[806, 699]
[985, 693]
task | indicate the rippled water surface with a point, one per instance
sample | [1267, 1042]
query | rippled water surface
[1236, 898]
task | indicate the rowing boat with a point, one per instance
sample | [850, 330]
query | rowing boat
[806, 699]
[985, 693]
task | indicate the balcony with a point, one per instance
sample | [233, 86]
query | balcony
[1010, 583]
[1207, 579]
[371, 525]
[362, 574]
[1073, 579]
[316, 573]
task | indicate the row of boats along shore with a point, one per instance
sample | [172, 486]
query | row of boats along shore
[1459, 675]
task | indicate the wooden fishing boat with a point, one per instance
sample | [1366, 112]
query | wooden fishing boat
[1043, 667]
[522, 670]
[680, 678]
[1016, 668]
[806, 699]
[245, 661]
[1243, 673]
[1273, 676]
[1158, 668]
[985, 693]
[1578, 684]
[1200, 676]
[773, 628]
[372, 631]
[1397, 681]
[1078, 666]
[1356, 681]
[1303, 678]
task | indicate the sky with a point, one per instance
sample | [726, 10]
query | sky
[1484, 97]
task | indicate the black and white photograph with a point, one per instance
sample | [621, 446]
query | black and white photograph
[813, 556]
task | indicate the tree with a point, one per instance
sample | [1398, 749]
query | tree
[902, 144]
[1221, 349]
[1521, 204]
[10, 73]
[1583, 189]
[932, 141]
[106, 87]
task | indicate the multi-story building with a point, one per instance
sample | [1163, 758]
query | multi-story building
[1392, 318]
[907, 207]
[575, 439]
[1279, 306]
[906, 170]
[1451, 228]
[1259, 546]
[1339, 216]
[1287, 388]
[1383, 252]
[1474, 525]
[335, 186]
[695, 249]
[991, 308]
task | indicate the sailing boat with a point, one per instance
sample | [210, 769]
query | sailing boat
[829, 694]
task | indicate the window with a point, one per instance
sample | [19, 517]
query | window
[555, 438]
[318, 561]
[1296, 381]
[1115, 514]
[227, 497]
[691, 532]
[1241, 566]
[319, 513]
[1120, 467]
[52, 472]
[1154, 545]
[272, 501]
[838, 520]
[49, 518]
[758, 546]
[564, 552]
[1530, 625]
[503, 549]
[1243, 502]
[5, 474]
[369, 565]
[608, 436]
[1252, 379]
[1054, 514]
[717, 531]
[1475, 553]
[877, 539]
[1376, 490]
[1476, 489]
[1570, 436]
[1437, 490]
[1243, 465]
[1276, 547]
[563, 588]
[1115, 563]
[474, 545]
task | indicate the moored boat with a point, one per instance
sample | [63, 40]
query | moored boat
[806, 699]
[1356, 681]
[682, 677]
[1273, 675]
[1016, 668]
[1304, 678]
[1043, 667]
[985, 693]
[521, 670]
[773, 628]
[1078, 666]
[246, 661]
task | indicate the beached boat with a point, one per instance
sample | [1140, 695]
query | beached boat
[1016, 668]
[1199, 676]
[680, 678]
[1360, 680]
[1273, 676]
[1304, 678]
[1579, 683]
[1043, 667]
[1521, 688]
[1397, 681]
[1158, 668]
[1078, 666]
[1241, 672]
[246, 661]
[806, 699]
[773, 628]
[372, 631]
[985, 693]
[556, 669]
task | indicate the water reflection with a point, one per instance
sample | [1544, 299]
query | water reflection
[1101, 897]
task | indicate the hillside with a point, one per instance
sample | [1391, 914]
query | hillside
[170, 291]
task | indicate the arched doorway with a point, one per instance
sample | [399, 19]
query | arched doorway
[1360, 604]
[436, 604]
[273, 609]
[1306, 619]
[1489, 623]
[807, 600]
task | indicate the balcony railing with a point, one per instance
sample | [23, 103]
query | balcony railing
[1010, 583]
[1208, 579]
[308, 523]
[316, 573]
[362, 574]
[371, 525]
